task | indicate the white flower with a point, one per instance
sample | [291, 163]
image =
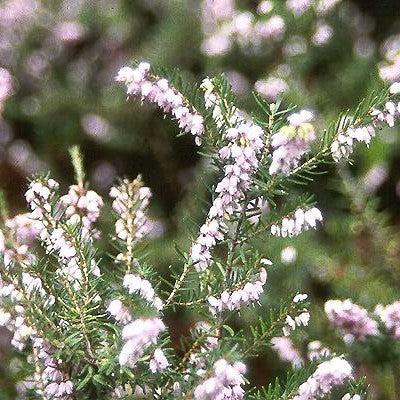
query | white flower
[347, 396]
[159, 362]
[298, 7]
[266, 262]
[265, 7]
[395, 88]
[5, 317]
[141, 286]
[302, 319]
[301, 117]
[300, 297]
[288, 255]
[137, 336]
[119, 312]
[125, 75]
[322, 34]
[301, 221]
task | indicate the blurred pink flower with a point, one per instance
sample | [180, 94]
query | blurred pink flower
[69, 31]
[6, 85]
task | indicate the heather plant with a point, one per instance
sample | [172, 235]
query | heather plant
[90, 316]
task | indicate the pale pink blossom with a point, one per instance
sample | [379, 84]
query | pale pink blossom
[351, 319]
[328, 375]
[286, 351]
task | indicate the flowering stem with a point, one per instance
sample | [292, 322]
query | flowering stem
[267, 226]
[29, 303]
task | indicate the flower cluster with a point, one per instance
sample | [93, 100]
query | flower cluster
[328, 375]
[23, 231]
[39, 197]
[390, 316]
[159, 362]
[24, 228]
[301, 319]
[19, 253]
[213, 102]
[120, 312]
[82, 206]
[54, 236]
[13, 316]
[248, 294]
[131, 200]
[350, 318]
[143, 84]
[200, 253]
[50, 381]
[239, 155]
[291, 142]
[287, 351]
[56, 384]
[22, 331]
[391, 110]
[343, 145]
[142, 287]
[57, 240]
[225, 383]
[138, 336]
[302, 220]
